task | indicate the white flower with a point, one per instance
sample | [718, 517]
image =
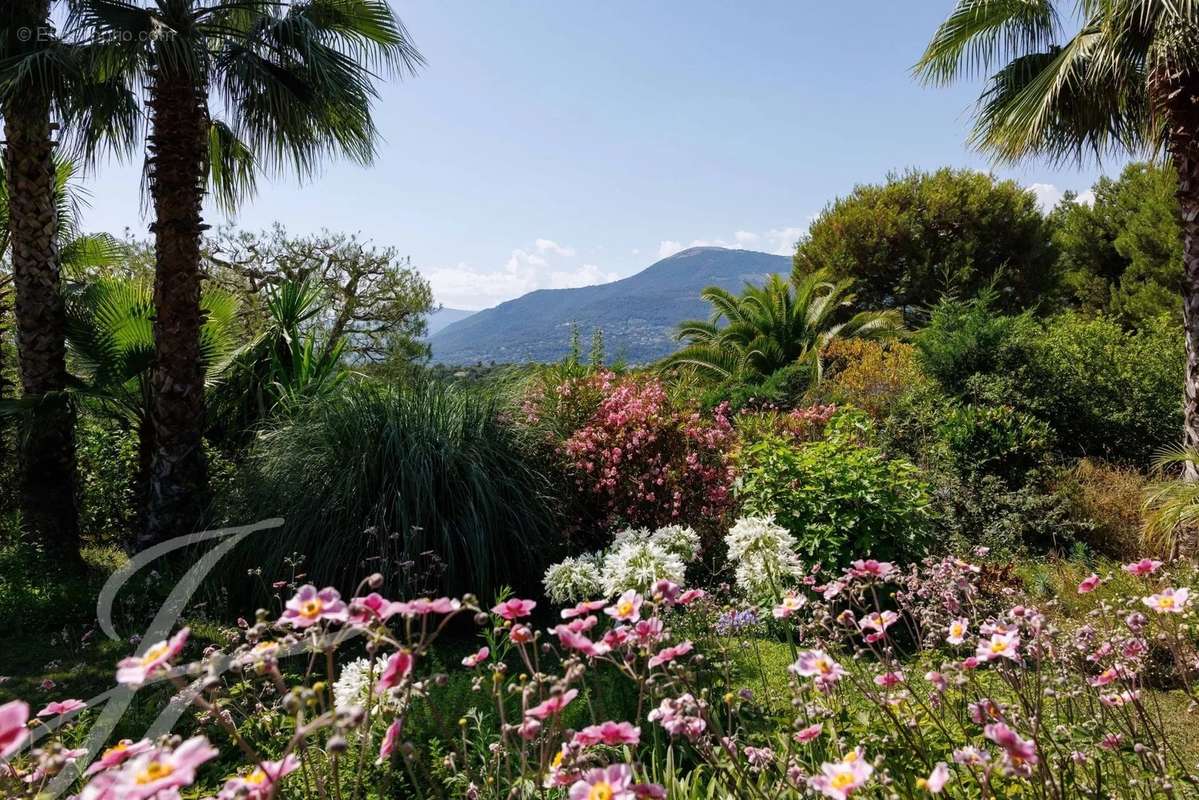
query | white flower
[574, 579]
[679, 540]
[353, 686]
[638, 564]
[765, 556]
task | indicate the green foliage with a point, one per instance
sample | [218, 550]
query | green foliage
[908, 241]
[764, 329]
[1102, 391]
[107, 458]
[1122, 254]
[840, 499]
[992, 440]
[372, 478]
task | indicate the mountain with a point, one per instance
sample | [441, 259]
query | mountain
[637, 314]
[442, 318]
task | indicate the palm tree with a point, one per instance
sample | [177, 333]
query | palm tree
[110, 336]
[295, 80]
[775, 325]
[43, 80]
[1126, 82]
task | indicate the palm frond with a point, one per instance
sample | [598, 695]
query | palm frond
[979, 34]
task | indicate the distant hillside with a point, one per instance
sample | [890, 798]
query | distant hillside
[637, 314]
[442, 318]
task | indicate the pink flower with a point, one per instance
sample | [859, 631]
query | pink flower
[260, 783]
[872, 569]
[1109, 675]
[371, 608]
[665, 591]
[515, 608]
[423, 606]
[310, 606]
[475, 659]
[529, 728]
[937, 680]
[1169, 601]
[791, 602]
[397, 670]
[936, 780]
[136, 670]
[14, 716]
[61, 707]
[1019, 752]
[691, 595]
[390, 739]
[610, 783]
[1089, 584]
[572, 640]
[162, 770]
[818, 665]
[680, 716]
[552, 706]
[888, 679]
[583, 608]
[1000, 645]
[520, 634]
[958, 629]
[805, 735]
[841, 778]
[1146, 566]
[878, 622]
[119, 753]
[609, 733]
[627, 608]
[668, 654]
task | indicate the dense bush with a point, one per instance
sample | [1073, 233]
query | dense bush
[1110, 498]
[867, 374]
[836, 496]
[1104, 392]
[641, 460]
[993, 440]
[379, 476]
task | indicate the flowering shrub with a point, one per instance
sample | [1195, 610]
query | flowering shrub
[893, 690]
[641, 461]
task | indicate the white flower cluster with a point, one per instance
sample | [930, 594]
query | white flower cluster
[637, 559]
[352, 687]
[639, 564]
[574, 579]
[764, 553]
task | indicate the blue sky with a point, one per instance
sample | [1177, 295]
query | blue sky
[553, 143]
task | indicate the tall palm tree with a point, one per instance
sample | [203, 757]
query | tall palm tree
[43, 82]
[1127, 81]
[295, 82]
[780, 323]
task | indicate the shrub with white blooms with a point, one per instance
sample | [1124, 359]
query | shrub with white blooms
[353, 687]
[574, 579]
[764, 553]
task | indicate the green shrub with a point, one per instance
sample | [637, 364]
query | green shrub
[993, 440]
[374, 478]
[1110, 497]
[107, 459]
[840, 499]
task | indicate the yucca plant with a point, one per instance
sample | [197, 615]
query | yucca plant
[769, 327]
[374, 477]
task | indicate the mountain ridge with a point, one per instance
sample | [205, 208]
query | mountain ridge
[637, 314]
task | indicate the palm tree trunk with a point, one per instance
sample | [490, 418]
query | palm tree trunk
[177, 168]
[49, 502]
[1182, 106]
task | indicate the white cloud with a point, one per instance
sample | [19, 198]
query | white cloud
[1086, 198]
[550, 246]
[526, 269]
[1047, 194]
[779, 241]
[667, 248]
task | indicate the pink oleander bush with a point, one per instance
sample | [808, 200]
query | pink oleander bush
[636, 458]
[901, 683]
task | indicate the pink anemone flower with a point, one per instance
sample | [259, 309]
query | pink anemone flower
[310, 606]
[136, 670]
